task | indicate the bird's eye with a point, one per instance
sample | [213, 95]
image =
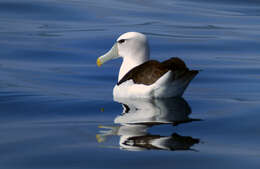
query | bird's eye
[121, 41]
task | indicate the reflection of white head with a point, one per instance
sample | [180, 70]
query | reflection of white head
[128, 131]
[133, 47]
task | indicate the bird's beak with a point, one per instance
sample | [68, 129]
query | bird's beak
[111, 54]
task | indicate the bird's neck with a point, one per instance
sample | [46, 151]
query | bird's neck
[129, 64]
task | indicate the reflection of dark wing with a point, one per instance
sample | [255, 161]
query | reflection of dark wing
[173, 143]
[184, 142]
[142, 142]
[150, 71]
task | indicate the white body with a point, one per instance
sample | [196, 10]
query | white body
[164, 87]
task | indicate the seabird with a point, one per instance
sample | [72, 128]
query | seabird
[140, 77]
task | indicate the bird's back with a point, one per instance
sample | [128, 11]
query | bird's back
[150, 71]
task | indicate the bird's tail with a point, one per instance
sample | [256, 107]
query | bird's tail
[187, 77]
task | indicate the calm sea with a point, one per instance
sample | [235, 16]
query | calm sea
[57, 109]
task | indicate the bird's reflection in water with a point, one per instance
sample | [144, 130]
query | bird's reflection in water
[140, 114]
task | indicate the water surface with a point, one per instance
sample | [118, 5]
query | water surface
[57, 109]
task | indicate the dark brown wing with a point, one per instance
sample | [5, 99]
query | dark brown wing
[150, 71]
[146, 73]
[174, 64]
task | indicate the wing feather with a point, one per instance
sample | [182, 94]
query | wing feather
[150, 71]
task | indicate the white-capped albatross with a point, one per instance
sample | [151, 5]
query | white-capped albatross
[140, 77]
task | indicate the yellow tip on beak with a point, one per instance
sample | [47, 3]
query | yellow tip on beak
[99, 62]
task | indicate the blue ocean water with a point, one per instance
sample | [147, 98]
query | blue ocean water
[56, 105]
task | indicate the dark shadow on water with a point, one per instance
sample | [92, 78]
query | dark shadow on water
[139, 115]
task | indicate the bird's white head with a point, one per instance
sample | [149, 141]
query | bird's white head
[133, 47]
